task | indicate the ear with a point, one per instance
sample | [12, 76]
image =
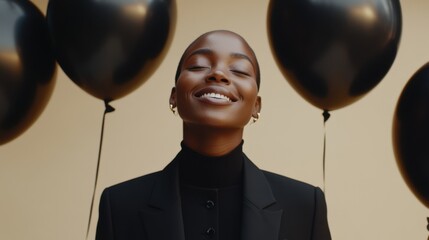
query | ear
[257, 107]
[173, 97]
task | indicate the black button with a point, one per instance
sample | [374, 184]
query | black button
[210, 204]
[210, 231]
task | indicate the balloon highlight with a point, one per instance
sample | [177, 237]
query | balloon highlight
[109, 48]
[333, 52]
[27, 67]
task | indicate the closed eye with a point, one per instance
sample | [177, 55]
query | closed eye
[239, 72]
[196, 68]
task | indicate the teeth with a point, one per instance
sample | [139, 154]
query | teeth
[216, 95]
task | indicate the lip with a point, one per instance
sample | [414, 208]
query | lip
[217, 90]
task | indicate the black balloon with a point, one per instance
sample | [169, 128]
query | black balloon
[333, 52]
[411, 134]
[27, 67]
[110, 47]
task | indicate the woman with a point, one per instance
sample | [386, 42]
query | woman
[211, 190]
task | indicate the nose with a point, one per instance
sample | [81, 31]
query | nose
[218, 75]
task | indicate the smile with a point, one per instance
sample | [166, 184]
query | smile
[216, 96]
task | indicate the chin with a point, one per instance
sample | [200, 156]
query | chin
[219, 124]
[216, 120]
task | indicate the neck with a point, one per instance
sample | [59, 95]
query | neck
[211, 141]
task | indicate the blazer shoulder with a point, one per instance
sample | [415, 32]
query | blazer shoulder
[287, 181]
[303, 205]
[291, 189]
[134, 188]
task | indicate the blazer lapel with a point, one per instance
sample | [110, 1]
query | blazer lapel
[259, 222]
[162, 216]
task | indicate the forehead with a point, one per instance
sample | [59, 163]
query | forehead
[222, 43]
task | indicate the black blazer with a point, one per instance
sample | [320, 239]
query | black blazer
[274, 208]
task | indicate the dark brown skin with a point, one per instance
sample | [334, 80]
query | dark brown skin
[217, 62]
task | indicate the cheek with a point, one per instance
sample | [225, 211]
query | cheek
[181, 95]
[249, 91]
[184, 89]
[250, 95]
[184, 84]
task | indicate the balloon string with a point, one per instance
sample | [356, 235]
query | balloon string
[326, 116]
[108, 109]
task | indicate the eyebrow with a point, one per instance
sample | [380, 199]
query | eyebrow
[202, 51]
[206, 51]
[242, 56]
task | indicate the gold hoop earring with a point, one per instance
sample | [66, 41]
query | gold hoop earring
[255, 119]
[172, 109]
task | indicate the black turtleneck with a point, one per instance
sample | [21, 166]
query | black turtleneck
[211, 194]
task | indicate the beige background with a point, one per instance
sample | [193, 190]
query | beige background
[47, 174]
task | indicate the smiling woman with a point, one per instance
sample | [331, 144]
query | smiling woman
[211, 190]
[217, 63]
